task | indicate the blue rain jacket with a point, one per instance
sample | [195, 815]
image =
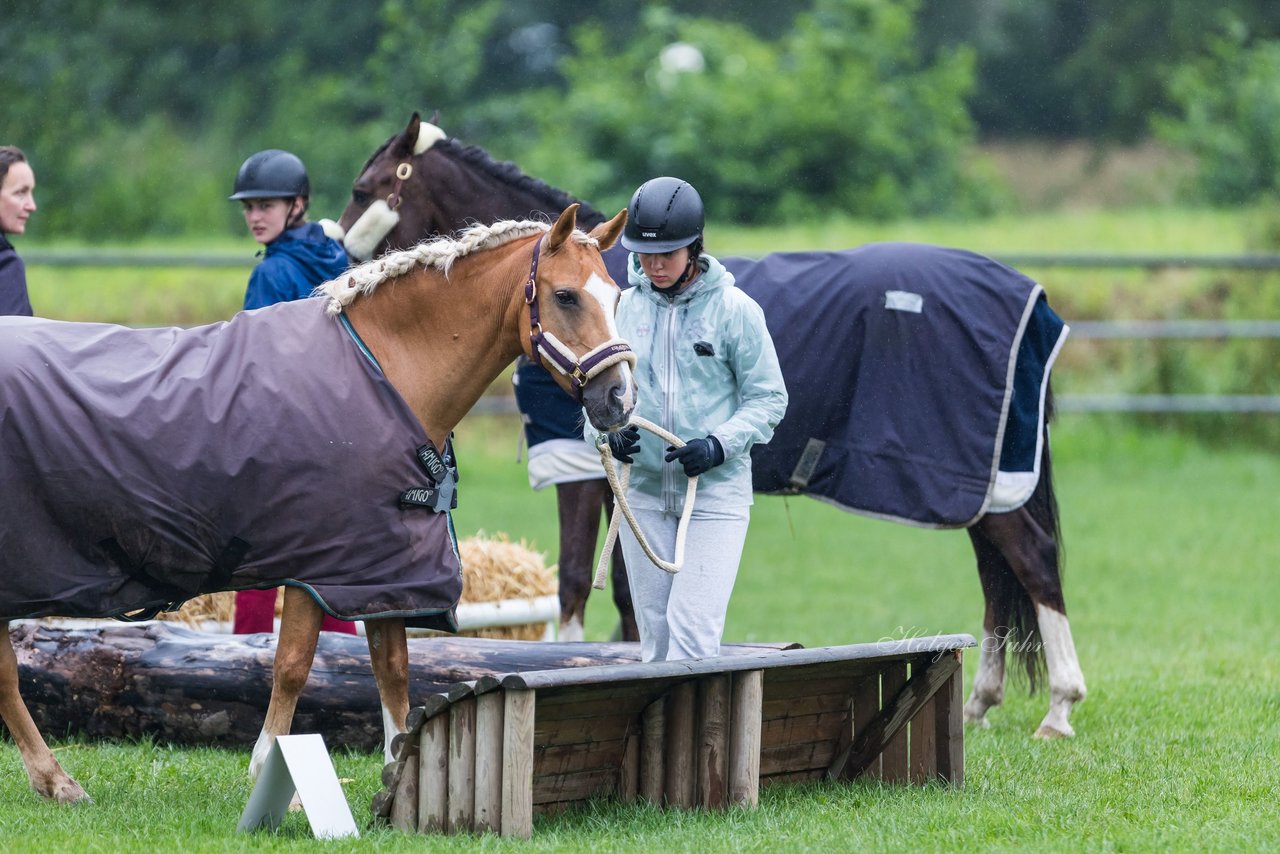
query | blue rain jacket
[706, 365]
[296, 262]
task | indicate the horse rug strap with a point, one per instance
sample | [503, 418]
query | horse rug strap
[270, 430]
[442, 494]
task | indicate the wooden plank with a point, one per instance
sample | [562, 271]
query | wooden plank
[580, 787]
[949, 738]
[517, 763]
[572, 758]
[629, 776]
[893, 756]
[653, 741]
[462, 766]
[744, 738]
[680, 758]
[775, 708]
[582, 700]
[924, 683]
[582, 730]
[806, 758]
[802, 728]
[924, 749]
[404, 808]
[712, 788]
[736, 662]
[433, 775]
[866, 705]
[489, 709]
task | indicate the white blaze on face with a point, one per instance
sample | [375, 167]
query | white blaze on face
[607, 294]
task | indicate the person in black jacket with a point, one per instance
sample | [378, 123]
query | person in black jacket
[17, 203]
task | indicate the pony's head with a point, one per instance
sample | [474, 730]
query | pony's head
[571, 304]
[375, 219]
[421, 184]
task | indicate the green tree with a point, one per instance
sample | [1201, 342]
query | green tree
[840, 114]
[1228, 115]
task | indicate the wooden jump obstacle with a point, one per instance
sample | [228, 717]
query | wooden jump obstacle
[490, 754]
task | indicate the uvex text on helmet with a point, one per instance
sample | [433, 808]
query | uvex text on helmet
[271, 174]
[665, 214]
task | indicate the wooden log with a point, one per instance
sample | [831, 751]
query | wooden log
[462, 766]
[744, 738]
[950, 728]
[629, 776]
[433, 775]
[653, 741]
[712, 791]
[866, 705]
[404, 807]
[489, 709]
[680, 759]
[182, 686]
[517, 763]
[893, 758]
[924, 748]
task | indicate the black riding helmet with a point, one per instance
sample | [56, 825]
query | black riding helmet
[665, 214]
[271, 174]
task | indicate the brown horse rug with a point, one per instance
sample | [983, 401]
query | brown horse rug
[142, 467]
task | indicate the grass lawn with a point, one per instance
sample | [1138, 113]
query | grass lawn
[1171, 586]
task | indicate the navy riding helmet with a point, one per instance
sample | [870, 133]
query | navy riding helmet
[664, 215]
[271, 174]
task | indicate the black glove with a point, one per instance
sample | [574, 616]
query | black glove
[625, 443]
[698, 456]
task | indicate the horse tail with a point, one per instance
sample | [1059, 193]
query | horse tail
[1042, 506]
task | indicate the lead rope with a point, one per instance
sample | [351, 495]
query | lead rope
[619, 487]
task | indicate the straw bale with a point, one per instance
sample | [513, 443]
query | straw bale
[493, 569]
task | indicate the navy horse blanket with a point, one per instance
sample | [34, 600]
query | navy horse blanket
[917, 378]
[142, 467]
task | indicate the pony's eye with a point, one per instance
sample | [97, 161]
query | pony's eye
[360, 197]
[566, 298]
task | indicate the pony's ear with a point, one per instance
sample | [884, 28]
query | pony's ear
[405, 143]
[564, 226]
[606, 233]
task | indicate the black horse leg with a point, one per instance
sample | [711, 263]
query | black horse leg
[988, 682]
[1039, 614]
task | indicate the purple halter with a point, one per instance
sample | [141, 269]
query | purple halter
[542, 344]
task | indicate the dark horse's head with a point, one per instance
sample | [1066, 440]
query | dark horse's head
[421, 184]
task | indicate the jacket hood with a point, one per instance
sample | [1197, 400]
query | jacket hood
[319, 256]
[712, 277]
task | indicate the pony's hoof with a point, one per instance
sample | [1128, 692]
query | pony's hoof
[1051, 732]
[67, 792]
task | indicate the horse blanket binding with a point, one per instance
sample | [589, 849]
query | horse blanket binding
[140, 468]
[917, 377]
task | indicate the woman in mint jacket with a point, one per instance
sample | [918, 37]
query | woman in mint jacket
[706, 372]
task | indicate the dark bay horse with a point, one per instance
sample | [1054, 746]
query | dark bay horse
[421, 182]
[303, 444]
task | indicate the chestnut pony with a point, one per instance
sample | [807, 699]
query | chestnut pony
[440, 320]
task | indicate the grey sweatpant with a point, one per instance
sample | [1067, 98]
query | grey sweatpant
[682, 615]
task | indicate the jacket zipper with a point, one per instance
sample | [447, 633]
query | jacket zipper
[668, 469]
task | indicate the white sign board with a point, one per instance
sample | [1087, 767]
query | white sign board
[299, 763]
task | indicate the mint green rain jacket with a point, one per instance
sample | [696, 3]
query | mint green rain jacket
[705, 366]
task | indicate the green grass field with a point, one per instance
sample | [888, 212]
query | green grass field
[1171, 586]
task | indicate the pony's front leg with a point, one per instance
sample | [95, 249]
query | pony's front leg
[295, 650]
[46, 775]
[988, 683]
[389, 655]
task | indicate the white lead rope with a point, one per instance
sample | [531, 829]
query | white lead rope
[619, 487]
